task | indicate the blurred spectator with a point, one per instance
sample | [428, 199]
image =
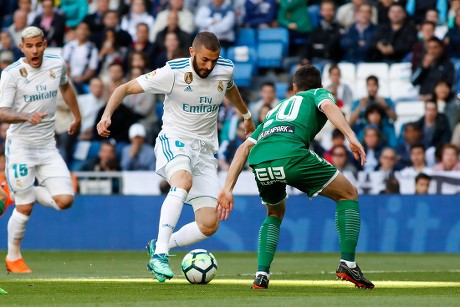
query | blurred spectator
[184, 17]
[110, 21]
[447, 101]
[228, 148]
[387, 162]
[417, 9]
[391, 186]
[449, 159]
[95, 20]
[106, 160]
[81, 58]
[3, 129]
[347, 13]
[262, 113]
[173, 51]
[114, 78]
[7, 44]
[293, 15]
[74, 11]
[259, 13]
[19, 24]
[359, 106]
[358, 43]
[417, 159]
[432, 15]
[341, 90]
[142, 43]
[456, 136]
[396, 38]
[373, 147]
[2, 167]
[412, 135]
[422, 184]
[435, 66]
[383, 7]
[137, 14]
[226, 111]
[138, 156]
[340, 159]
[418, 51]
[6, 58]
[374, 116]
[435, 126]
[219, 18]
[267, 97]
[110, 52]
[325, 38]
[52, 22]
[31, 10]
[452, 38]
[185, 39]
[451, 15]
[138, 59]
[89, 105]
[164, 187]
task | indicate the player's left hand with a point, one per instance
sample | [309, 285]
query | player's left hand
[74, 127]
[249, 126]
[224, 204]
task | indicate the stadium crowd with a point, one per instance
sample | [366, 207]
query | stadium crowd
[107, 42]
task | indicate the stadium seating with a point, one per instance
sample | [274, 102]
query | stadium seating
[246, 37]
[408, 111]
[243, 74]
[401, 88]
[269, 55]
[245, 60]
[380, 70]
[274, 35]
[281, 89]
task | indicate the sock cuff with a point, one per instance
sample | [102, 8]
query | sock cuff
[348, 204]
[272, 220]
[178, 192]
[18, 216]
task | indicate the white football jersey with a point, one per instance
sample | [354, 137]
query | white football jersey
[191, 103]
[27, 89]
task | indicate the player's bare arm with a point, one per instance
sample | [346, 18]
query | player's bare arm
[233, 94]
[7, 115]
[336, 117]
[225, 198]
[71, 100]
[129, 88]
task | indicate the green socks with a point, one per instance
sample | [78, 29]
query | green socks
[347, 223]
[269, 234]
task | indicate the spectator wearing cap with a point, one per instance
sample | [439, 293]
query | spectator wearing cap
[138, 156]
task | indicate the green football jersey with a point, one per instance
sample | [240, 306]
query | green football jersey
[290, 127]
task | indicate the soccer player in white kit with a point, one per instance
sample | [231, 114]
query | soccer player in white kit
[194, 89]
[28, 90]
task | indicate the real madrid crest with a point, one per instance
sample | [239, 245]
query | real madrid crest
[52, 75]
[220, 86]
[188, 77]
[23, 72]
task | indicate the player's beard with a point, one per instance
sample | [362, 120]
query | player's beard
[203, 73]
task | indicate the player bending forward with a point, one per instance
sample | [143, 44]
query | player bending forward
[194, 89]
[294, 123]
[28, 90]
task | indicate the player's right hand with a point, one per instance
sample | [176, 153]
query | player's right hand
[358, 150]
[37, 117]
[224, 204]
[102, 127]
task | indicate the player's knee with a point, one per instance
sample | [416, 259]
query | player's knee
[352, 194]
[64, 201]
[24, 209]
[208, 228]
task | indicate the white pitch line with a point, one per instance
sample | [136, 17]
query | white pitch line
[273, 282]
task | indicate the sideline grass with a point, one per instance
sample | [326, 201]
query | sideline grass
[119, 278]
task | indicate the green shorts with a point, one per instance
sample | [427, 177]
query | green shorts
[307, 172]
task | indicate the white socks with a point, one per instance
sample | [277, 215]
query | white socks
[170, 213]
[16, 229]
[186, 236]
[350, 264]
[43, 197]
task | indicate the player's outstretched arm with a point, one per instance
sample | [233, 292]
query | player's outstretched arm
[336, 117]
[71, 100]
[233, 94]
[129, 88]
[225, 198]
[7, 115]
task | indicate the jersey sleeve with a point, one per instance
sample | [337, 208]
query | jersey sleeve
[64, 79]
[159, 81]
[320, 95]
[7, 90]
[255, 135]
[231, 83]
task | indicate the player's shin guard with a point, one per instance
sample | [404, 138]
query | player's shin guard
[170, 213]
[187, 235]
[16, 230]
[347, 223]
[268, 241]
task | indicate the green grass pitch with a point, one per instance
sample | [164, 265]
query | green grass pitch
[298, 279]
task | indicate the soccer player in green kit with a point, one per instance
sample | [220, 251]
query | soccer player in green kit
[279, 155]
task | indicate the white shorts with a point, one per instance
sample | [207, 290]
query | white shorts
[25, 164]
[203, 167]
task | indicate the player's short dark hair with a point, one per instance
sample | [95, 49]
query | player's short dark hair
[208, 40]
[373, 78]
[422, 176]
[307, 77]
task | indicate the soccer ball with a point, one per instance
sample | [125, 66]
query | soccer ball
[199, 266]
